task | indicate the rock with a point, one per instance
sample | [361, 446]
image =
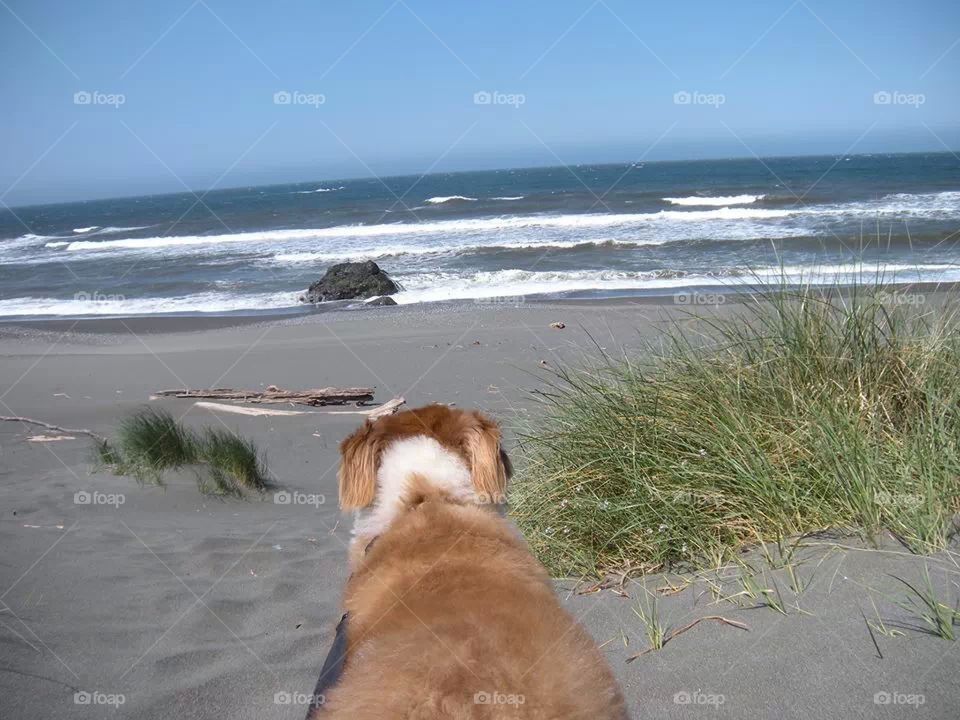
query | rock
[557, 325]
[348, 281]
[383, 300]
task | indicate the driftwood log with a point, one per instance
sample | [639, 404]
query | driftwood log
[273, 394]
[388, 408]
[56, 428]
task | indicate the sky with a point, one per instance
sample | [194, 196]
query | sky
[113, 98]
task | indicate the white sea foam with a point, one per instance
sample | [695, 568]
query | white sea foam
[85, 229]
[430, 287]
[26, 238]
[318, 190]
[13, 248]
[114, 230]
[436, 286]
[509, 197]
[719, 201]
[520, 231]
[449, 198]
[447, 227]
[213, 302]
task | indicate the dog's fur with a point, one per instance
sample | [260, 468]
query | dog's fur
[450, 616]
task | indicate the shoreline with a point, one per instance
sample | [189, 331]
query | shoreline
[703, 295]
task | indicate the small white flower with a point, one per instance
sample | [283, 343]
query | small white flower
[703, 452]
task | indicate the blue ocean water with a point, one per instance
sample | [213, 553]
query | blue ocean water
[584, 231]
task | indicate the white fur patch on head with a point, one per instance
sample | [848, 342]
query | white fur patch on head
[420, 455]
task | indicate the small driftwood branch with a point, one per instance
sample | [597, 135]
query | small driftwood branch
[388, 408]
[240, 410]
[689, 626]
[273, 394]
[56, 428]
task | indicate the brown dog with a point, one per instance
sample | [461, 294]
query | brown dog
[450, 616]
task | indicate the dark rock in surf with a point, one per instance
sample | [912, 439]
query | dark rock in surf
[383, 300]
[349, 281]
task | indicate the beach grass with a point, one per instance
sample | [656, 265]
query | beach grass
[151, 442]
[234, 462]
[932, 614]
[794, 411]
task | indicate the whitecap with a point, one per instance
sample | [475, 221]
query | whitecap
[718, 201]
[449, 198]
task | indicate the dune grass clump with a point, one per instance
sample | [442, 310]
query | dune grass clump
[154, 441]
[234, 462]
[151, 442]
[795, 411]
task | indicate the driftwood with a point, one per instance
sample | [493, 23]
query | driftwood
[388, 408]
[57, 428]
[240, 410]
[273, 394]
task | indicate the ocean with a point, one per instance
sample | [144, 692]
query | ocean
[584, 231]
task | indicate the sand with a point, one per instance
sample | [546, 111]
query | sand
[160, 603]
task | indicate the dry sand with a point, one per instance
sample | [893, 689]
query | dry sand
[190, 607]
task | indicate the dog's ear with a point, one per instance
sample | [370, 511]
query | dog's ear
[357, 477]
[489, 465]
[507, 464]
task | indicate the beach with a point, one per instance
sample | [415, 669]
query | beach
[153, 602]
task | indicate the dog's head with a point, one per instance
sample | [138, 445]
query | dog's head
[456, 451]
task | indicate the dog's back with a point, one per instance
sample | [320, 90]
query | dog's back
[451, 617]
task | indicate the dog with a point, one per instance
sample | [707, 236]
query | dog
[448, 614]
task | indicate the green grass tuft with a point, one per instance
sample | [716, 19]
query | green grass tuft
[151, 442]
[794, 411]
[933, 616]
[234, 462]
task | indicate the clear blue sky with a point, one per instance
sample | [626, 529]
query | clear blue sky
[598, 80]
